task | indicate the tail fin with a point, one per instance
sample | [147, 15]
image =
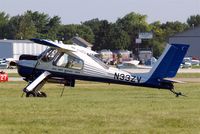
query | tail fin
[169, 62]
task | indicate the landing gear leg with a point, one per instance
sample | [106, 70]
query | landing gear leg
[41, 94]
[177, 93]
[33, 89]
[36, 91]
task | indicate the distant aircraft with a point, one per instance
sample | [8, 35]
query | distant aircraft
[131, 65]
[64, 64]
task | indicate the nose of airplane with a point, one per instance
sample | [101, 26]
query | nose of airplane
[26, 65]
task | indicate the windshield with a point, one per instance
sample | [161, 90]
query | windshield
[99, 61]
[48, 55]
[40, 55]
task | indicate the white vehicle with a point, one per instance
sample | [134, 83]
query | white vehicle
[186, 65]
[134, 64]
[4, 63]
[128, 64]
[191, 61]
[195, 62]
[66, 63]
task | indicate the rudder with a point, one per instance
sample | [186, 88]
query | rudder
[169, 62]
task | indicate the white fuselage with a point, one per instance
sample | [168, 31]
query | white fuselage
[91, 68]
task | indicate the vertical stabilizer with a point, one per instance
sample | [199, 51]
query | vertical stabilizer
[169, 62]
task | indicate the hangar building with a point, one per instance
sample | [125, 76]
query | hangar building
[191, 37]
[14, 48]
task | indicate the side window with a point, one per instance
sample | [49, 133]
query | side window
[68, 61]
[49, 55]
[62, 61]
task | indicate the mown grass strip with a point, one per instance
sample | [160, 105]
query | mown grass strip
[100, 108]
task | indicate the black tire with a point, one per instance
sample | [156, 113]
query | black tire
[41, 94]
[31, 94]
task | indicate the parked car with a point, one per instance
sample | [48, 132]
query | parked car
[187, 62]
[4, 63]
[134, 64]
[9, 63]
[128, 64]
[186, 65]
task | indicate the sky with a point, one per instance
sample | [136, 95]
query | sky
[77, 11]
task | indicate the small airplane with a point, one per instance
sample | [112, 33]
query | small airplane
[64, 64]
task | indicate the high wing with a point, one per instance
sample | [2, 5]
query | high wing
[53, 44]
[64, 47]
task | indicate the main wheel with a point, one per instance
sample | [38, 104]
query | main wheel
[177, 94]
[41, 94]
[44, 94]
[31, 94]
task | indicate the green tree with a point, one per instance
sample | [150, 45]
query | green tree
[119, 39]
[171, 28]
[102, 37]
[103, 34]
[53, 27]
[67, 32]
[94, 24]
[120, 35]
[193, 20]
[158, 32]
[20, 27]
[162, 32]
[26, 28]
[100, 29]
[157, 47]
[13, 26]
[133, 24]
[40, 21]
[33, 25]
[159, 40]
[4, 19]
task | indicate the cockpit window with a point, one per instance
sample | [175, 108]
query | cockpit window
[49, 55]
[67, 61]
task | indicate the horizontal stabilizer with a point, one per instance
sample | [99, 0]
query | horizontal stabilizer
[174, 81]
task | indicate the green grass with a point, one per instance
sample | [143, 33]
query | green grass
[13, 75]
[188, 75]
[196, 67]
[100, 108]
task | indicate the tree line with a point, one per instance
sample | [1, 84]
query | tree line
[102, 33]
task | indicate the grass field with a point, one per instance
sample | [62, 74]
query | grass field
[188, 75]
[100, 108]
